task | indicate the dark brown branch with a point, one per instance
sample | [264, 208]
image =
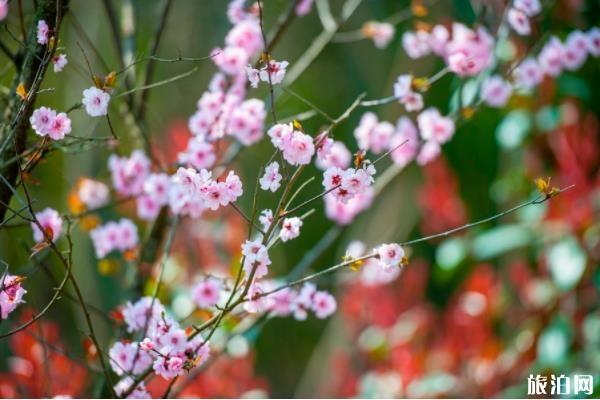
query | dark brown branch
[15, 121]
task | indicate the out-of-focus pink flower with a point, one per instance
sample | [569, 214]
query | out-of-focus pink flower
[380, 32]
[129, 173]
[121, 236]
[206, 293]
[469, 51]
[303, 7]
[416, 44]
[519, 21]
[433, 126]
[3, 9]
[495, 91]
[528, 74]
[59, 61]
[92, 193]
[323, 304]
[42, 32]
[550, 58]
[51, 223]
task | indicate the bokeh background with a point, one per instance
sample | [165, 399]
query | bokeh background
[472, 315]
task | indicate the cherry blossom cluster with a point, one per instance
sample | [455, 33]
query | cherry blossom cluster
[11, 294]
[47, 122]
[166, 347]
[372, 272]
[297, 303]
[344, 184]
[466, 52]
[187, 192]
[120, 236]
[557, 56]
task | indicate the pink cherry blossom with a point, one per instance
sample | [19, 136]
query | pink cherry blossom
[438, 39]
[433, 126]
[42, 119]
[257, 303]
[298, 148]
[528, 74]
[495, 91]
[168, 366]
[303, 7]
[199, 153]
[129, 173]
[469, 51]
[271, 180]
[390, 255]
[380, 137]
[371, 273]
[61, 126]
[593, 36]
[405, 142]
[519, 21]
[575, 50]
[246, 122]
[344, 213]
[380, 32]
[3, 9]
[303, 301]
[95, 101]
[233, 186]
[136, 314]
[428, 152]
[290, 229]
[231, 60]
[43, 32]
[51, 223]
[337, 156]
[282, 301]
[551, 57]
[416, 44]
[323, 304]
[125, 358]
[206, 293]
[255, 256]
[275, 70]
[266, 218]
[529, 7]
[59, 61]
[120, 236]
[93, 194]
[372, 134]
[124, 386]
[246, 35]
[253, 76]
[157, 187]
[147, 344]
[147, 207]
[11, 294]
